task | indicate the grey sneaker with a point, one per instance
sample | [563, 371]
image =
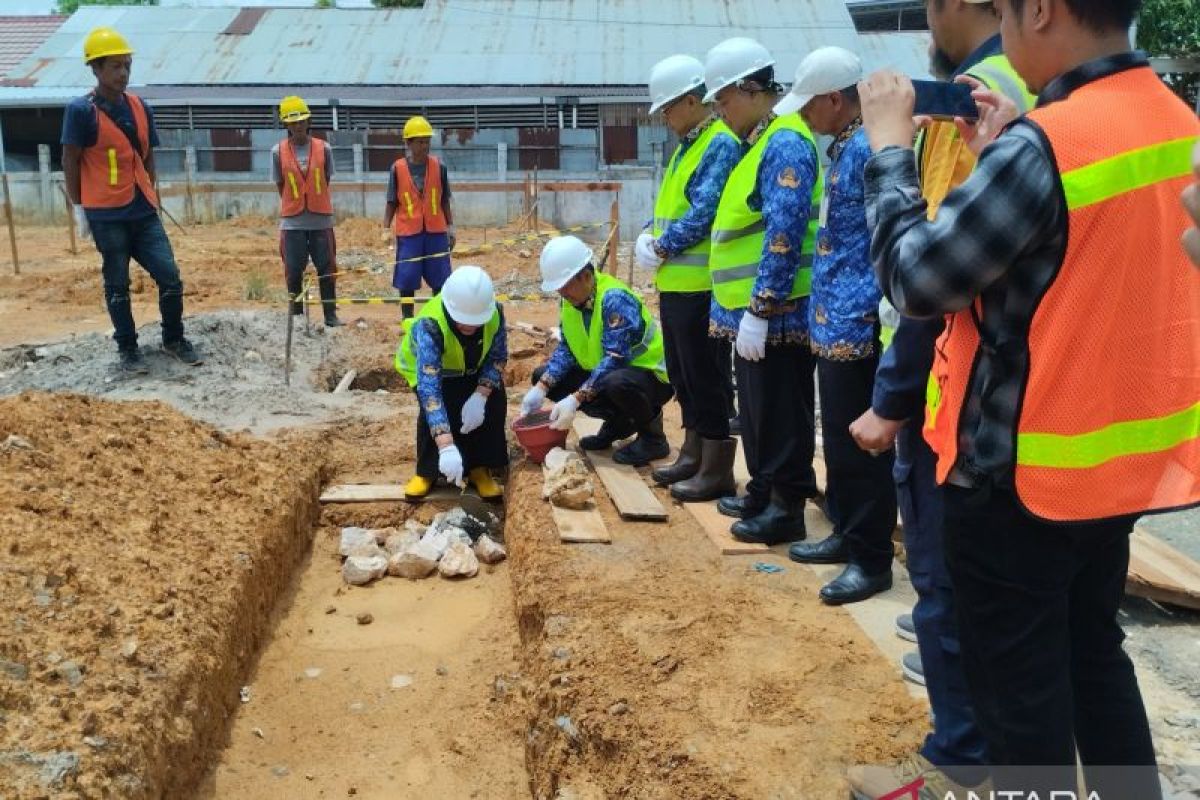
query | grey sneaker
[183, 351]
[913, 669]
[130, 362]
[905, 628]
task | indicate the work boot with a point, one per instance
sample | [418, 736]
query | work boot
[130, 362]
[182, 349]
[715, 478]
[611, 431]
[743, 507]
[331, 321]
[650, 445]
[297, 308]
[417, 487]
[871, 782]
[855, 585]
[782, 521]
[833, 549]
[485, 484]
[329, 303]
[687, 465]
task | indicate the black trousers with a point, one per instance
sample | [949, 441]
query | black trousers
[483, 447]
[859, 490]
[1037, 609]
[625, 395]
[699, 365]
[775, 401]
[296, 247]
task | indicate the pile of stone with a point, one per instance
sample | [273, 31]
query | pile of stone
[453, 544]
[568, 482]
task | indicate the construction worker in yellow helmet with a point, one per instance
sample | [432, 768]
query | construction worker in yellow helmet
[302, 166]
[418, 213]
[108, 140]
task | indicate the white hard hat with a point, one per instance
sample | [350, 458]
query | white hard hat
[468, 296]
[562, 259]
[674, 77]
[824, 70]
[732, 60]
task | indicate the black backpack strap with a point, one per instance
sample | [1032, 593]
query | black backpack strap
[104, 107]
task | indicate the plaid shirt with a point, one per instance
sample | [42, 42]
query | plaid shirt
[998, 239]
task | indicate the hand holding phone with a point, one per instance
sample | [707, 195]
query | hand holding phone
[941, 100]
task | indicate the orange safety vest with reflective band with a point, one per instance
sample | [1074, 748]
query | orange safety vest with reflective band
[417, 211]
[304, 190]
[110, 169]
[1109, 419]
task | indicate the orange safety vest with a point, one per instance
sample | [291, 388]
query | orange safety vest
[414, 212]
[1108, 423]
[109, 169]
[304, 191]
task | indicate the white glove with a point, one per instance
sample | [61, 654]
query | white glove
[533, 400]
[752, 337]
[450, 464]
[81, 224]
[563, 412]
[472, 412]
[644, 252]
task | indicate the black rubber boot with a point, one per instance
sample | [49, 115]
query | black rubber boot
[611, 431]
[782, 521]
[329, 303]
[715, 477]
[742, 507]
[687, 465]
[650, 445]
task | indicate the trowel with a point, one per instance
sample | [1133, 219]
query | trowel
[480, 509]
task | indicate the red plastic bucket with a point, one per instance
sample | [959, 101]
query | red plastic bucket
[535, 435]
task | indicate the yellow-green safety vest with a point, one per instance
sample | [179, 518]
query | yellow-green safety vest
[585, 345]
[686, 271]
[453, 360]
[739, 232]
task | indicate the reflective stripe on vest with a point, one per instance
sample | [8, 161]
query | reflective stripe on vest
[453, 360]
[1109, 423]
[687, 271]
[739, 232]
[417, 215]
[586, 345]
[110, 169]
[306, 187]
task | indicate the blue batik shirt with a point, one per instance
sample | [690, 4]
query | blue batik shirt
[81, 127]
[427, 340]
[703, 191]
[623, 330]
[844, 305]
[783, 194]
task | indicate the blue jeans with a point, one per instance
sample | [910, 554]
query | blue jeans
[145, 241]
[956, 739]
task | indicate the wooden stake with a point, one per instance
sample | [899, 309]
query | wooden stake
[287, 346]
[70, 219]
[12, 228]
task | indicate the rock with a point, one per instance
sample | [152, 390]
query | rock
[618, 708]
[98, 742]
[419, 561]
[57, 766]
[564, 724]
[459, 561]
[489, 551]
[18, 672]
[312, 673]
[561, 653]
[252, 355]
[440, 537]
[401, 681]
[244, 694]
[280, 771]
[400, 541]
[371, 550]
[70, 672]
[559, 456]
[129, 650]
[569, 484]
[358, 571]
[525, 253]
[415, 527]
[353, 537]
[14, 443]
[259, 733]
[365, 618]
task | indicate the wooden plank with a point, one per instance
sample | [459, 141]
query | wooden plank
[716, 527]
[380, 493]
[579, 526]
[1160, 572]
[629, 493]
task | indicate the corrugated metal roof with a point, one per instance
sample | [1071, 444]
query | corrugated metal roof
[459, 42]
[20, 36]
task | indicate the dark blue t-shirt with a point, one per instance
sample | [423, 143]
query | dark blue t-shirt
[81, 127]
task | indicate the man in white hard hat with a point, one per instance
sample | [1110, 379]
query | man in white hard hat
[844, 328]
[609, 362]
[677, 249]
[763, 241]
[453, 354]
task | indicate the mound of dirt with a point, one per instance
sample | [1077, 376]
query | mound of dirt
[143, 554]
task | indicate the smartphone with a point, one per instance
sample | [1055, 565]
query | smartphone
[942, 100]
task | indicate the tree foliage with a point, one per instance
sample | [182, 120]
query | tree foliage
[1171, 29]
[71, 6]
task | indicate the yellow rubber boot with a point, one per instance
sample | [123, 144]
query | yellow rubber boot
[417, 487]
[485, 484]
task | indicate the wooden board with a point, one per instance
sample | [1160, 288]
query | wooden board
[579, 526]
[379, 493]
[629, 493]
[1160, 572]
[716, 527]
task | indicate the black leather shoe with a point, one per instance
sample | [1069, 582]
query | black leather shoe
[854, 585]
[735, 426]
[742, 507]
[650, 445]
[609, 432]
[834, 549]
[782, 521]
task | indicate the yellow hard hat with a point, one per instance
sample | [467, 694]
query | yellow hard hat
[293, 109]
[416, 127]
[103, 42]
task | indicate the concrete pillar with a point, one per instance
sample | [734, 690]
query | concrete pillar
[189, 172]
[44, 190]
[359, 177]
[502, 161]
